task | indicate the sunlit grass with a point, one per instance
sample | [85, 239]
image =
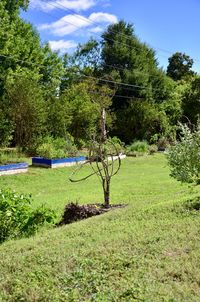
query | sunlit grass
[148, 251]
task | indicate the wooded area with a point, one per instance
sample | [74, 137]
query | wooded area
[46, 94]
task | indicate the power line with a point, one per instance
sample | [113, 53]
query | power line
[80, 72]
[70, 23]
[60, 6]
[112, 40]
[90, 91]
[84, 75]
[104, 64]
[114, 82]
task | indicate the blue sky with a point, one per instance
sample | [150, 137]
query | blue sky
[166, 25]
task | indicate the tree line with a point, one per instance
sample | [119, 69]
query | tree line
[43, 93]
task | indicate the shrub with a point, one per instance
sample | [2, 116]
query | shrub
[184, 156]
[70, 146]
[48, 150]
[57, 147]
[192, 204]
[17, 218]
[138, 147]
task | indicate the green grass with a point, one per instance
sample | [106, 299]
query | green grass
[148, 251]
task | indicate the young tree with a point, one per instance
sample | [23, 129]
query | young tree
[103, 153]
[104, 159]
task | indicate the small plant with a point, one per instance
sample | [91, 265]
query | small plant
[184, 156]
[17, 218]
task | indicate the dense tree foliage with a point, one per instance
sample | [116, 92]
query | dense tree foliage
[27, 112]
[43, 93]
[191, 100]
[180, 66]
[136, 65]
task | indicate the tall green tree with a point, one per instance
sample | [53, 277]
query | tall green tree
[180, 66]
[133, 60]
[24, 60]
[27, 112]
[127, 60]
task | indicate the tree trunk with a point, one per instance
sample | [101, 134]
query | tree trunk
[106, 190]
[103, 126]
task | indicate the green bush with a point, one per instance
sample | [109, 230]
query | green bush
[57, 147]
[184, 156]
[137, 148]
[17, 217]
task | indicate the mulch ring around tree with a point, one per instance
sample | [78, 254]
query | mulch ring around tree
[75, 212]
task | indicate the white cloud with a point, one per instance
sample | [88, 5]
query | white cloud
[62, 45]
[96, 29]
[66, 25]
[103, 17]
[77, 5]
[72, 23]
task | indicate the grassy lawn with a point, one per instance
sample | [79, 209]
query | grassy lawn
[148, 251]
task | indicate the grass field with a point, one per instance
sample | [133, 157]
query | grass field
[148, 251]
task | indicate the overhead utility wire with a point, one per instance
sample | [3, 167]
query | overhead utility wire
[87, 76]
[40, 65]
[92, 77]
[125, 69]
[96, 34]
[90, 91]
[60, 6]
[70, 23]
